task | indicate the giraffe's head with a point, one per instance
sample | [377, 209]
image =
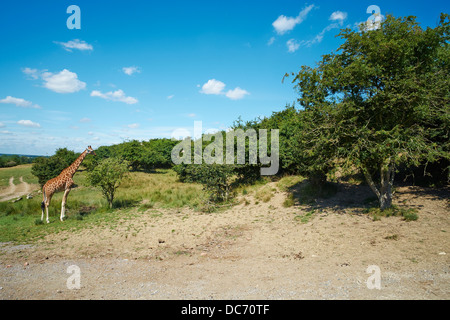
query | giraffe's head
[90, 150]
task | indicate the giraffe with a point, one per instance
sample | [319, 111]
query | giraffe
[62, 182]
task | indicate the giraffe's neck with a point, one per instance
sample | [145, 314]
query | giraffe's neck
[74, 166]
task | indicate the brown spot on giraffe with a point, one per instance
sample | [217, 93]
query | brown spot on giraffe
[63, 182]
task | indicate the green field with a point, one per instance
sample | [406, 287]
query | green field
[20, 221]
[17, 172]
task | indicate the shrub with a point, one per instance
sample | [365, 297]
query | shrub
[107, 175]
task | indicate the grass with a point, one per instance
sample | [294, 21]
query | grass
[289, 201]
[17, 172]
[303, 192]
[305, 218]
[288, 182]
[394, 211]
[265, 193]
[162, 188]
[85, 207]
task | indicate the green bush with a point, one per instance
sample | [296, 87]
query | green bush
[47, 168]
[216, 179]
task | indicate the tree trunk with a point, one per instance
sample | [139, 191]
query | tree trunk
[384, 194]
[387, 181]
[110, 200]
[318, 180]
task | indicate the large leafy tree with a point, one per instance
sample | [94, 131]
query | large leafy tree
[381, 101]
[46, 168]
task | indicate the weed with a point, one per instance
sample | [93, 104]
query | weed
[305, 218]
[264, 194]
[392, 237]
[289, 201]
[394, 211]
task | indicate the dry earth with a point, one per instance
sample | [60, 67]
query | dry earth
[250, 251]
[15, 191]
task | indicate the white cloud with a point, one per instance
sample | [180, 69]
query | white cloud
[85, 120]
[213, 86]
[29, 123]
[133, 125]
[2, 125]
[130, 70]
[237, 94]
[63, 82]
[75, 44]
[217, 87]
[31, 73]
[271, 41]
[284, 24]
[292, 45]
[191, 115]
[19, 102]
[170, 97]
[117, 95]
[338, 16]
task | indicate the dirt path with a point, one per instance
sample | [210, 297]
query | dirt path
[254, 250]
[15, 191]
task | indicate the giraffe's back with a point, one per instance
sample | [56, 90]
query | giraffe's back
[56, 184]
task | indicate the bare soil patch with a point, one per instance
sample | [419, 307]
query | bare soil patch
[14, 191]
[250, 251]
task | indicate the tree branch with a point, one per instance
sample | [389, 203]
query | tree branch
[370, 182]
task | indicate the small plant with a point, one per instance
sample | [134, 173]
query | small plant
[306, 217]
[392, 237]
[394, 211]
[146, 206]
[264, 194]
[410, 215]
[289, 201]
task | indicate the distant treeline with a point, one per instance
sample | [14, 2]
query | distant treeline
[11, 160]
[142, 156]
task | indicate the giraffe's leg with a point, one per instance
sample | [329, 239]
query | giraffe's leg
[63, 204]
[46, 208]
[43, 204]
[47, 204]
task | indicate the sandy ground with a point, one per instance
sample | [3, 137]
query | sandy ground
[253, 251]
[15, 191]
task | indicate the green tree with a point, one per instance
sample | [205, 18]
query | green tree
[107, 175]
[132, 152]
[382, 100]
[47, 168]
[157, 153]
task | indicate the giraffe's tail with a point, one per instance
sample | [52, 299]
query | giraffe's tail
[43, 200]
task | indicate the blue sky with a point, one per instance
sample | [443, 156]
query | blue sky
[143, 69]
